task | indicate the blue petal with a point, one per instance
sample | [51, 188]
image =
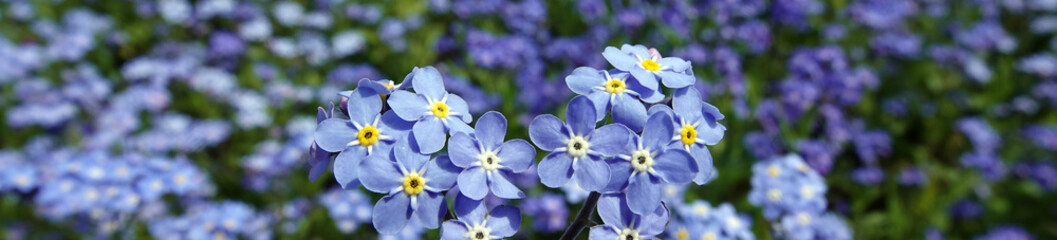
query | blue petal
[581, 115]
[602, 232]
[429, 135]
[619, 60]
[591, 175]
[379, 175]
[711, 134]
[645, 78]
[406, 156]
[659, 131]
[319, 168]
[637, 50]
[675, 79]
[407, 105]
[610, 140]
[453, 230]
[491, 130]
[427, 81]
[463, 150]
[613, 208]
[686, 102]
[322, 114]
[660, 109]
[583, 80]
[630, 112]
[654, 223]
[648, 95]
[555, 169]
[502, 187]
[517, 155]
[676, 166]
[601, 101]
[644, 194]
[392, 121]
[409, 79]
[546, 132]
[676, 64]
[618, 178]
[705, 170]
[469, 210]
[392, 213]
[334, 135]
[431, 208]
[374, 87]
[458, 105]
[711, 111]
[504, 221]
[346, 167]
[441, 173]
[473, 183]
[456, 126]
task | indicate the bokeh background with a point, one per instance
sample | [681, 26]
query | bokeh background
[930, 119]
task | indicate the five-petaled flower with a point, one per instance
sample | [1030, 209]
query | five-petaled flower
[646, 164]
[414, 184]
[647, 67]
[613, 91]
[623, 224]
[577, 147]
[367, 132]
[490, 164]
[434, 111]
[695, 127]
[476, 222]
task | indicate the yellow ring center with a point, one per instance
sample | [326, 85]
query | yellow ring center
[413, 184]
[368, 135]
[651, 65]
[615, 86]
[439, 109]
[688, 135]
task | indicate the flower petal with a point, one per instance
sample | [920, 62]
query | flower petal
[675, 166]
[431, 208]
[602, 232]
[655, 222]
[455, 126]
[546, 132]
[645, 78]
[441, 173]
[583, 80]
[453, 230]
[392, 213]
[427, 81]
[676, 79]
[517, 155]
[379, 175]
[591, 175]
[363, 105]
[658, 132]
[473, 183]
[581, 115]
[644, 194]
[555, 169]
[346, 167]
[630, 112]
[610, 140]
[469, 210]
[619, 60]
[458, 105]
[676, 64]
[601, 101]
[491, 129]
[463, 150]
[504, 221]
[407, 105]
[687, 103]
[390, 120]
[705, 170]
[429, 135]
[711, 134]
[620, 171]
[334, 135]
[637, 50]
[613, 208]
[502, 187]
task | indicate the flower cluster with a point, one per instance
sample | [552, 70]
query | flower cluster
[793, 194]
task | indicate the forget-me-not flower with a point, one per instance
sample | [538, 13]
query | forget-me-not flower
[647, 67]
[612, 91]
[695, 126]
[622, 223]
[363, 135]
[414, 184]
[645, 165]
[489, 162]
[476, 222]
[434, 111]
[577, 147]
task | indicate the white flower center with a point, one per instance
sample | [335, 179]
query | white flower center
[803, 218]
[642, 160]
[774, 194]
[733, 222]
[628, 234]
[807, 191]
[478, 232]
[489, 161]
[577, 146]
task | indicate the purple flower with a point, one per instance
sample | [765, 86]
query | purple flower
[548, 211]
[577, 148]
[489, 162]
[413, 183]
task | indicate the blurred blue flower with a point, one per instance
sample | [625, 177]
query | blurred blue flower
[548, 211]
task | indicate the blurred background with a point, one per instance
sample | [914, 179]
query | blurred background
[169, 119]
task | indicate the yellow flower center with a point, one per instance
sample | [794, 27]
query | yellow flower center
[682, 234]
[708, 236]
[688, 135]
[615, 86]
[388, 85]
[651, 65]
[368, 135]
[413, 184]
[439, 109]
[773, 171]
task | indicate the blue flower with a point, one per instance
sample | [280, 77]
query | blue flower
[489, 162]
[695, 126]
[647, 67]
[613, 91]
[808, 225]
[365, 133]
[548, 211]
[786, 185]
[319, 159]
[577, 148]
[477, 222]
[622, 223]
[434, 111]
[386, 86]
[645, 165]
[414, 184]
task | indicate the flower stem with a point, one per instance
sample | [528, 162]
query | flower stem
[582, 218]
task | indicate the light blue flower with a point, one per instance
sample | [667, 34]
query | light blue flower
[413, 184]
[366, 133]
[434, 111]
[613, 91]
[622, 223]
[646, 164]
[489, 162]
[695, 127]
[577, 147]
[475, 221]
[647, 67]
